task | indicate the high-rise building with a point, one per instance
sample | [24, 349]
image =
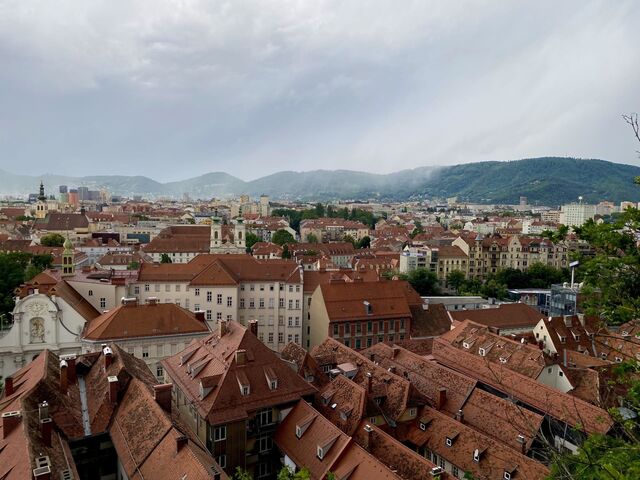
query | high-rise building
[576, 214]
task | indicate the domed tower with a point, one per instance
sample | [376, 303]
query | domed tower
[68, 259]
[216, 235]
[239, 234]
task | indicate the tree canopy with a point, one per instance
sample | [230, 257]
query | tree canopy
[52, 240]
[281, 237]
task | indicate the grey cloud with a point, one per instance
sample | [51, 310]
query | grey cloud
[173, 89]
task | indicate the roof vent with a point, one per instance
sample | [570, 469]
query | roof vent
[435, 471]
[66, 475]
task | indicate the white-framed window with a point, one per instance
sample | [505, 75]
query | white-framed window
[252, 303]
[167, 287]
[218, 316]
[280, 337]
[265, 417]
[229, 301]
[265, 443]
[222, 461]
[261, 303]
[136, 290]
[245, 390]
[281, 303]
[90, 293]
[196, 292]
[209, 295]
[145, 352]
[103, 302]
[219, 433]
[159, 371]
[146, 287]
[219, 299]
[209, 315]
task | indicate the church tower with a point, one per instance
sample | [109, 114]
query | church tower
[68, 259]
[239, 235]
[41, 204]
[216, 235]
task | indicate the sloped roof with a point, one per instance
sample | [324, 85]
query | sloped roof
[213, 360]
[76, 301]
[506, 315]
[131, 321]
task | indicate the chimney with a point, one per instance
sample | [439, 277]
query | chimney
[8, 386]
[43, 410]
[199, 315]
[71, 368]
[394, 351]
[108, 357]
[10, 420]
[64, 377]
[441, 399]
[366, 439]
[460, 416]
[222, 328]
[253, 327]
[181, 442]
[567, 320]
[113, 388]
[241, 357]
[162, 395]
[581, 318]
[523, 444]
[46, 427]
[368, 380]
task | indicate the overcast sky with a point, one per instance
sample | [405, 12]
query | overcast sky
[173, 89]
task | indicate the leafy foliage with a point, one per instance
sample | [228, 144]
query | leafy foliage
[364, 242]
[281, 237]
[423, 280]
[250, 240]
[52, 240]
[165, 258]
[612, 275]
[15, 268]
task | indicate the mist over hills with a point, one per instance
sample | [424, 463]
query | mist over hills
[546, 180]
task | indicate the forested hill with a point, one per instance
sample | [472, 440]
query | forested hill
[544, 181]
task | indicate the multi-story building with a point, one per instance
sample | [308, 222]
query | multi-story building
[575, 214]
[231, 287]
[151, 332]
[360, 314]
[332, 229]
[232, 391]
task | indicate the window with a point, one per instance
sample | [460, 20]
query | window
[265, 417]
[271, 302]
[280, 337]
[219, 299]
[146, 287]
[167, 287]
[289, 338]
[90, 293]
[177, 288]
[252, 303]
[160, 350]
[136, 290]
[229, 318]
[229, 301]
[264, 469]
[156, 287]
[159, 371]
[252, 287]
[222, 461]
[297, 338]
[413, 411]
[103, 302]
[297, 304]
[270, 337]
[507, 476]
[242, 303]
[320, 452]
[454, 471]
[245, 390]
[218, 316]
[265, 443]
[281, 303]
[261, 304]
[290, 288]
[196, 307]
[209, 296]
[443, 463]
[145, 352]
[196, 292]
[209, 316]
[219, 433]
[290, 304]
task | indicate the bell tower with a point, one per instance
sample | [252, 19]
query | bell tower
[41, 204]
[68, 259]
[216, 235]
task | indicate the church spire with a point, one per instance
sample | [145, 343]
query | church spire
[42, 197]
[68, 258]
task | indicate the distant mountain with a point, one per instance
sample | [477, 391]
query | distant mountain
[548, 181]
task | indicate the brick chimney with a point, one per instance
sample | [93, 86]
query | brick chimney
[162, 395]
[394, 351]
[46, 427]
[223, 328]
[181, 442]
[10, 420]
[72, 375]
[441, 399]
[460, 416]
[8, 386]
[253, 327]
[366, 438]
[64, 377]
[108, 357]
[368, 380]
[113, 388]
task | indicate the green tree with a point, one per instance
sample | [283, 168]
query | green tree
[319, 209]
[286, 474]
[281, 237]
[241, 474]
[455, 280]
[250, 240]
[52, 240]
[13, 267]
[424, 281]
[493, 289]
[364, 242]
[285, 251]
[133, 266]
[311, 238]
[350, 239]
[165, 258]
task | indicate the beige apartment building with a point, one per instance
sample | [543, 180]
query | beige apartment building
[332, 229]
[231, 288]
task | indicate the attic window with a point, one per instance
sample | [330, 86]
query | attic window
[482, 352]
[618, 359]
[466, 345]
[245, 390]
[320, 452]
[563, 339]
[273, 384]
[450, 439]
[476, 455]
[503, 360]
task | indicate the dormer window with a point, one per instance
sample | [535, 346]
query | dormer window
[423, 426]
[563, 339]
[506, 476]
[320, 452]
[482, 352]
[245, 390]
[466, 345]
[448, 442]
[273, 385]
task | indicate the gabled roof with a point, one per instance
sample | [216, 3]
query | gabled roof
[215, 361]
[62, 221]
[343, 402]
[76, 301]
[131, 321]
[506, 315]
[573, 411]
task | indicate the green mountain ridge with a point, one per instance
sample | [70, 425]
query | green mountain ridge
[545, 180]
